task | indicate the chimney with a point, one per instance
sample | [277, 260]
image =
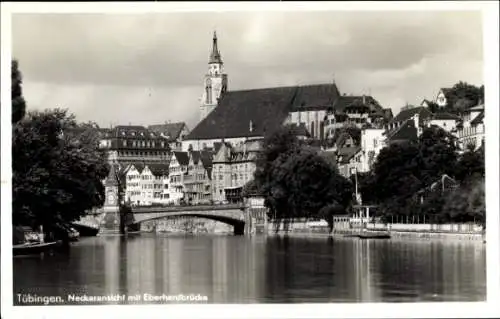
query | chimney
[364, 99]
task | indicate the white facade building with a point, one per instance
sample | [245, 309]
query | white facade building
[176, 171]
[372, 142]
[471, 130]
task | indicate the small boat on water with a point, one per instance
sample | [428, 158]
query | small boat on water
[34, 248]
[372, 235]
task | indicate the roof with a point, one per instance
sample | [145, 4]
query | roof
[445, 116]
[172, 131]
[346, 153]
[410, 112]
[206, 159]
[182, 157]
[111, 179]
[253, 113]
[478, 119]
[138, 166]
[346, 101]
[195, 155]
[445, 91]
[158, 169]
[406, 131]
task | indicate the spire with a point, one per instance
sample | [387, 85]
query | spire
[215, 55]
[112, 179]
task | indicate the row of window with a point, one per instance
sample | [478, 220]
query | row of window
[148, 144]
[142, 153]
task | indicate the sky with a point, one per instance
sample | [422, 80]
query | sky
[148, 69]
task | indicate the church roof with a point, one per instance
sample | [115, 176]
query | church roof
[253, 113]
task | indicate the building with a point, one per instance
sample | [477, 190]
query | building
[418, 114]
[349, 160]
[471, 129]
[233, 167]
[359, 111]
[197, 181]
[444, 120]
[177, 170]
[160, 177]
[174, 133]
[133, 185]
[144, 184]
[372, 142]
[132, 144]
[442, 97]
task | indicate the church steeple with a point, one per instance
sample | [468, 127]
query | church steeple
[215, 55]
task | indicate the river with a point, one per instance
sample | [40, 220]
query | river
[239, 269]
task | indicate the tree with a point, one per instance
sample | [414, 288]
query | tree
[462, 96]
[57, 169]
[295, 180]
[470, 165]
[404, 169]
[18, 102]
[467, 203]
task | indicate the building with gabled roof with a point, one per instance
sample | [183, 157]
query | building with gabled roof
[444, 120]
[232, 168]
[442, 97]
[197, 181]
[177, 170]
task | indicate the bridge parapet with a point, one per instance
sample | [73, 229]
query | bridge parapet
[152, 209]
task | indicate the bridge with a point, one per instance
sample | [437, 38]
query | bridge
[236, 215]
[233, 215]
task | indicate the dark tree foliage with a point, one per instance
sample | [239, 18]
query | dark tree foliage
[250, 189]
[57, 169]
[18, 102]
[462, 96]
[467, 203]
[470, 166]
[404, 172]
[295, 180]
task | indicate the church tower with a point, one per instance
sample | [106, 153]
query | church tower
[215, 81]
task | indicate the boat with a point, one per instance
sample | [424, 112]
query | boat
[34, 248]
[374, 235]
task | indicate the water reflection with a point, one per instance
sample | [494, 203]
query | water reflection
[232, 269]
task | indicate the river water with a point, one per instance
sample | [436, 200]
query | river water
[239, 269]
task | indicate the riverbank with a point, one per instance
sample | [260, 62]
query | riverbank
[403, 234]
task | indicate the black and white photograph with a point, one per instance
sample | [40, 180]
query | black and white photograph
[249, 155]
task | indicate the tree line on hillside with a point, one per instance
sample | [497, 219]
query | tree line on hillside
[57, 167]
[460, 97]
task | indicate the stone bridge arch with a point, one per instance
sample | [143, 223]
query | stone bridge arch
[233, 215]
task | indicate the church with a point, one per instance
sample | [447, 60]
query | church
[236, 117]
